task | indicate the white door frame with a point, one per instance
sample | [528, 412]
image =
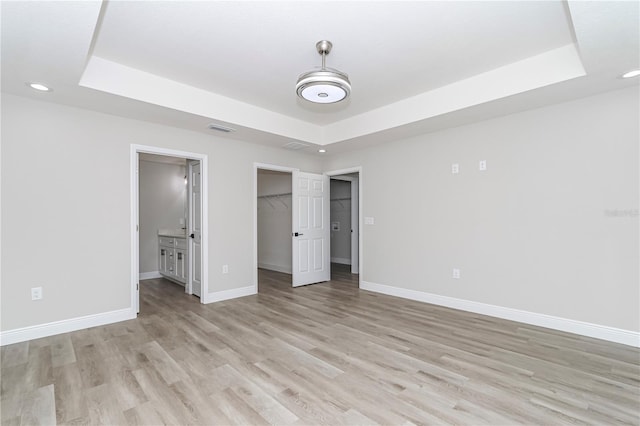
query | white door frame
[256, 167]
[357, 169]
[135, 215]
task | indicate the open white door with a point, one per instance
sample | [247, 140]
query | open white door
[195, 229]
[310, 234]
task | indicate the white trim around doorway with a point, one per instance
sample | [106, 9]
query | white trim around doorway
[134, 189]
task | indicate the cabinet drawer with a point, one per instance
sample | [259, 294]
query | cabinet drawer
[181, 243]
[166, 241]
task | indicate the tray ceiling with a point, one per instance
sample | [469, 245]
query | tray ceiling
[414, 66]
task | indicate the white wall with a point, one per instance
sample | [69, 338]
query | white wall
[66, 207]
[551, 227]
[341, 213]
[274, 221]
[163, 199]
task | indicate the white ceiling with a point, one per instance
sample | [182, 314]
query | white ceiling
[253, 52]
[414, 66]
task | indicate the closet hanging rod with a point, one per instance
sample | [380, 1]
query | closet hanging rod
[340, 199]
[274, 195]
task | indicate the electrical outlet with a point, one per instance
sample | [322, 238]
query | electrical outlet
[36, 293]
[455, 168]
[368, 221]
[482, 165]
[456, 274]
[225, 269]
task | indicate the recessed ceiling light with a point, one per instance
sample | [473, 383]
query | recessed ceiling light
[322, 150]
[40, 87]
[630, 74]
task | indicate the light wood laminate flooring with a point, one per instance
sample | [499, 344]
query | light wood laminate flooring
[323, 354]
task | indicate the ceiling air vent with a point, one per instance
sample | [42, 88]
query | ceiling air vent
[295, 146]
[220, 128]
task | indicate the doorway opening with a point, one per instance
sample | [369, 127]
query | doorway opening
[292, 226]
[345, 227]
[274, 220]
[274, 224]
[346, 209]
[169, 219]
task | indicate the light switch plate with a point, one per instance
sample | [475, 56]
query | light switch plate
[455, 168]
[368, 221]
[36, 293]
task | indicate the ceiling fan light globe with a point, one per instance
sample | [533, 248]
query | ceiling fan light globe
[323, 87]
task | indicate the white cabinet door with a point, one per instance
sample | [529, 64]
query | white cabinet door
[181, 266]
[311, 245]
[162, 260]
[172, 253]
[171, 262]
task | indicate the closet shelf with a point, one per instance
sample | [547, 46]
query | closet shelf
[340, 200]
[268, 198]
[274, 195]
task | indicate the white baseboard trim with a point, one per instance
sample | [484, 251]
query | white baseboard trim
[234, 293]
[149, 275]
[612, 334]
[64, 326]
[277, 268]
[341, 260]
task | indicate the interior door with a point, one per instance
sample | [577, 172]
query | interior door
[195, 229]
[310, 234]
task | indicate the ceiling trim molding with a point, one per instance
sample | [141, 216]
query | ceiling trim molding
[548, 68]
[117, 79]
[538, 71]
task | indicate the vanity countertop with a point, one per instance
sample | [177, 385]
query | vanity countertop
[173, 233]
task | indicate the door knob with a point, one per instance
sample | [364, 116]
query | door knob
[296, 234]
[192, 236]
